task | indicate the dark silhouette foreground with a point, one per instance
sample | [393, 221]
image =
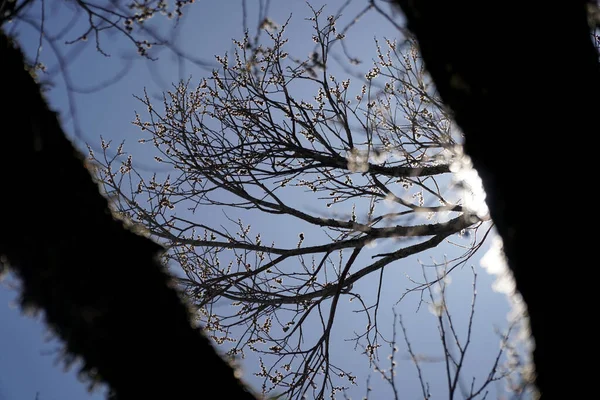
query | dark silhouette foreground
[523, 81]
[100, 286]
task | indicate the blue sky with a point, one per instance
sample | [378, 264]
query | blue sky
[27, 362]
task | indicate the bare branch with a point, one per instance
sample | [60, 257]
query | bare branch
[352, 166]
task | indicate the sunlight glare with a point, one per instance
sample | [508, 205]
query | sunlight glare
[494, 262]
[467, 178]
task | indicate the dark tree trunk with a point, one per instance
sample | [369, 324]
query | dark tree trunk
[100, 286]
[523, 81]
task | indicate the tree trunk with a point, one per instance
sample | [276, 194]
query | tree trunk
[100, 286]
[523, 81]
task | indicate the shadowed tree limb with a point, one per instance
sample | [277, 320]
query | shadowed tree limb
[100, 286]
[519, 78]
